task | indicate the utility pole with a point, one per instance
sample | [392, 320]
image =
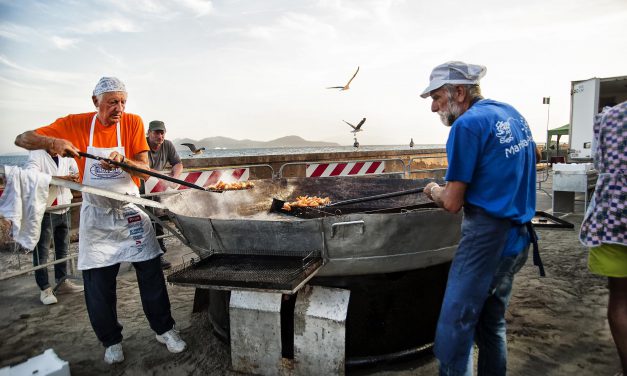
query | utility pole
[547, 101]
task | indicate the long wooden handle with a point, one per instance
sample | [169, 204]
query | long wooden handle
[142, 170]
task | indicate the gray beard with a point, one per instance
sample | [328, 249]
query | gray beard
[448, 117]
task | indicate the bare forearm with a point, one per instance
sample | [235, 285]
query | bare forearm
[139, 160]
[436, 196]
[137, 164]
[30, 140]
[449, 198]
[177, 169]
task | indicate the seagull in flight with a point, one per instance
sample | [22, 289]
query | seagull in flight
[345, 87]
[358, 127]
[194, 150]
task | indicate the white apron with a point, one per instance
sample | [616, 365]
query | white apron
[112, 231]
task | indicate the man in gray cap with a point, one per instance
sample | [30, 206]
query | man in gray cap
[106, 225]
[491, 176]
[161, 153]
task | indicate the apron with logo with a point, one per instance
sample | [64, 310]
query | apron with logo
[112, 231]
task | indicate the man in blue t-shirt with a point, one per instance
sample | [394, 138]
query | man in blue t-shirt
[491, 175]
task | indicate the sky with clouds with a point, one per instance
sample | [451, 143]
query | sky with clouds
[259, 69]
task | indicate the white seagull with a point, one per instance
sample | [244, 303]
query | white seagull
[345, 87]
[193, 149]
[358, 127]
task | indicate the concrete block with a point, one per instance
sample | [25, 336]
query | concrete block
[46, 364]
[320, 331]
[255, 320]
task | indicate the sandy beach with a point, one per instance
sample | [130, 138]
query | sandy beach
[557, 323]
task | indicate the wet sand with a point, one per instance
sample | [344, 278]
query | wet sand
[556, 325]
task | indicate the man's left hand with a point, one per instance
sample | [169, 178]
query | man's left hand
[114, 156]
[428, 191]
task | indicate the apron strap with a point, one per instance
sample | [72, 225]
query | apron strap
[119, 136]
[533, 236]
[91, 132]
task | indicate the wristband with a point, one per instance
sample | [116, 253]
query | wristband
[123, 159]
[431, 190]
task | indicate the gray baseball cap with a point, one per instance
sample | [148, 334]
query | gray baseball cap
[156, 125]
[454, 72]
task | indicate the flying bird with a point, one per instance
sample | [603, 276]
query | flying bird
[345, 87]
[358, 127]
[194, 150]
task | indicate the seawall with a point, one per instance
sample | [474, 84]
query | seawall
[412, 161]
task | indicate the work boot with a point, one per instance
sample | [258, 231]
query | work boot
[165, 264]
[114, 354]
[47, 296]
[172, 341]
[68, 287]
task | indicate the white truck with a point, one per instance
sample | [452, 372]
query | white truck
[587, 98]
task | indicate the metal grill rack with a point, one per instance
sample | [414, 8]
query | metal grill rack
[284, 272]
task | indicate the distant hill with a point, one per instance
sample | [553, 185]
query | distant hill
[230, 143]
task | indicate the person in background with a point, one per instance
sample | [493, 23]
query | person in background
[604, 227]
[491, 175]
[55, 225]
[162, 152]
[111, 231]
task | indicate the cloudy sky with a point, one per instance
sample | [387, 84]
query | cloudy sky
[259, 69]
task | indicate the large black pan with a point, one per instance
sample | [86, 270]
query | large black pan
[277, 205]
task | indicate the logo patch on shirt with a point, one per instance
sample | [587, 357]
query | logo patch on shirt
[135, 218]
[98, 171]
[504, 131]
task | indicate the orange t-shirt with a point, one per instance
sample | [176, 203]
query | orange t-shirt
[75, 128]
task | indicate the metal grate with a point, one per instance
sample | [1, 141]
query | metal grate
[249, 270]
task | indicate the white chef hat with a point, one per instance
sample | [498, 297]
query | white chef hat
[109, 84]
[454, 72]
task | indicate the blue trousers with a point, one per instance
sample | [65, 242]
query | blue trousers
[54, 227]
[101, 299]
[477, 294]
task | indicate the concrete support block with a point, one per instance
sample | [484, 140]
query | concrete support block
[46, 364]
[320, 331]
[255, 319]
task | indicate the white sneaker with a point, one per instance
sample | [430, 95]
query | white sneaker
[47, 296]
[114, 354]
[68, 287]
[172, 340]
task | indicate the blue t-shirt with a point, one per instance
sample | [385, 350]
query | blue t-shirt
[490, 148]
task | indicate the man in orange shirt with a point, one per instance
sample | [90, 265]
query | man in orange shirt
[111, 231]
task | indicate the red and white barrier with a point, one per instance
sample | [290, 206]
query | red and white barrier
[201, 178]
[316, 170]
